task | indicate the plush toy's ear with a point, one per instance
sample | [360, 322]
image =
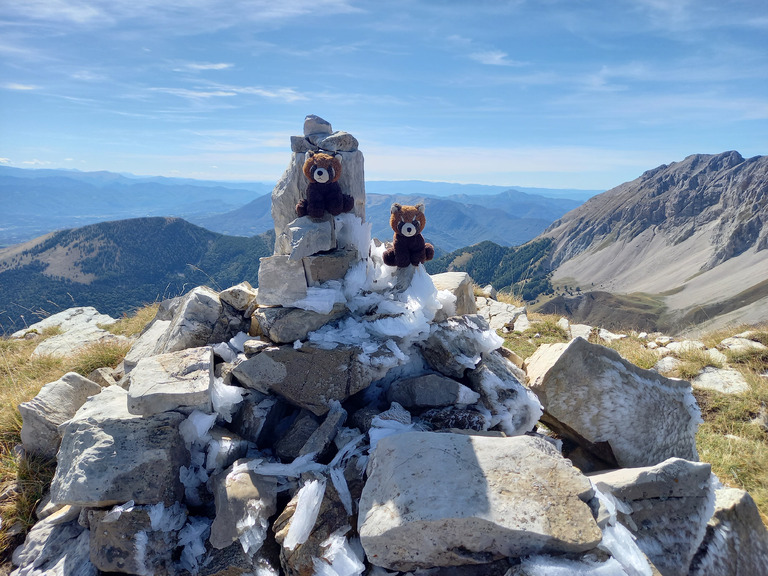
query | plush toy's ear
[420, 207]
[395, 208]
[338, 157]
[309, 155]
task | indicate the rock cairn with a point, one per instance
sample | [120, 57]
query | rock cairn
[345, 420]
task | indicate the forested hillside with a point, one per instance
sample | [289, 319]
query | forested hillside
[521, 270]
[116, 266]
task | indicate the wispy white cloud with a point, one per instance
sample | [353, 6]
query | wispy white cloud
[17, 86]
[494, 58]
[5, 160]
[36, 162]
[203, 66]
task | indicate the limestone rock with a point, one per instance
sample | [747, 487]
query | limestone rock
[224, 448]
[56, 403]
[667, 364]
[244, 501]
[252, 415]
[284, 325]
[321, 440]
[451, 499]
[103, 377]
[309, 377]
[686, 346]
[281, 281]
[240, 296]
[128, 544]
[666, 507]
[592, 396]
[290, 445]
[736, 344]
[460, 285]
[57, 545]
[186, 323]
[455, 345]
[499, 315]
[581, 331]
[430, 391]
[331, 517]
[522, 323]
[736, 540]
[306, 236]
[173, 381]
[513, 408]
[320, 268]
[314, 125]
[609, 336]
[724, 380]
[489, 291]
[79, 328]
[110, 456]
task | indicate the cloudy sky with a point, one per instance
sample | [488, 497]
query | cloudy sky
[552, 93]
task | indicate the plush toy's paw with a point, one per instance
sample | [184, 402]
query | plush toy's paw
[349, 203]
[429, 250]
[301, 208]
[389, 257]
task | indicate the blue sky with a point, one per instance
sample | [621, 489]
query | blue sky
[551, 93]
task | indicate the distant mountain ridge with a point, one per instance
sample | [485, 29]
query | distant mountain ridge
[117, 266]
[693, 233]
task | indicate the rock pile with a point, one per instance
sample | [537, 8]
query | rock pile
[348, 419]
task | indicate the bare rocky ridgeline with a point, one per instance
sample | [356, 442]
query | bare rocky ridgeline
[348, 418]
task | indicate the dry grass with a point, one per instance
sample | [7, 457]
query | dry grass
[631, 348]
[23, 481]
[543, 330]
[133, 324]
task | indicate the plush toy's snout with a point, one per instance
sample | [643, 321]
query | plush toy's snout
[408, 229]
[321, 175]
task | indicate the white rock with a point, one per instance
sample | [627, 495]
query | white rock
[667, 364]
[315, 125]
[240, 296]
[686, 346]
[590, 393]
[581, 331]
[460, 285]
[306, 236]
[609, 336]
[499, 315]
[109, 456]
[742, 345]
[724, 380]
[174, 381]
[522, 323]
[56, 403]
[282, 282]
[716, 356]
[666, 507]
[441, 499]
[564, 325]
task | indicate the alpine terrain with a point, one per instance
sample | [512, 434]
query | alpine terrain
[687, 240]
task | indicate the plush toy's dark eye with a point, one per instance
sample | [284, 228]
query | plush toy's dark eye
[416, 223]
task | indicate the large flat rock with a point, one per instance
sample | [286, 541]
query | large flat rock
[440, 499]
[594, 397]
[172, 381]
[110, 456]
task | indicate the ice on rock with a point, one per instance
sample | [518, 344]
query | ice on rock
[307, 508]
[516, 414]
[237, 342]
[225, 398]
[353, 234]
[223, 351]
[341, 557]
[299, 466]
[167, 519]
[323, 298]
[557, 566]
[140, 541]
[195, 428]
[396, 420]
[192, 538]
[115, 513]
[253, 527]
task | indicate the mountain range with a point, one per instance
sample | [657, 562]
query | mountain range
[36, 202]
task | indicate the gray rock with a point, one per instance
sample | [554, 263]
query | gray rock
[282, 281]
[194, 319]
[310, 377]
[430, 391]
[173, 381]
[103, 377]
[513, 408]
[521, 323]
[460, 285]
[253, 347]
[489, 291]
[594, 397]
[240, 296]
[56, 546]
[299, 432]
[609, 336]
[80, 327]
[244, 501]
[127, 544]
[736, 540]
[56, 403]
[581, 331]
[666, 507]
[724, 380]
[667, 364]
[224, 448]
[109, 456]
[315, 125]
[499, 315]
[306, 236]
[452, 499]
[332, 266]
[339, 141]
[455, 345]
[452, 418]
[686, 346]
[322, 438]
[252, 414]
[736, 344]
[285, 325]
